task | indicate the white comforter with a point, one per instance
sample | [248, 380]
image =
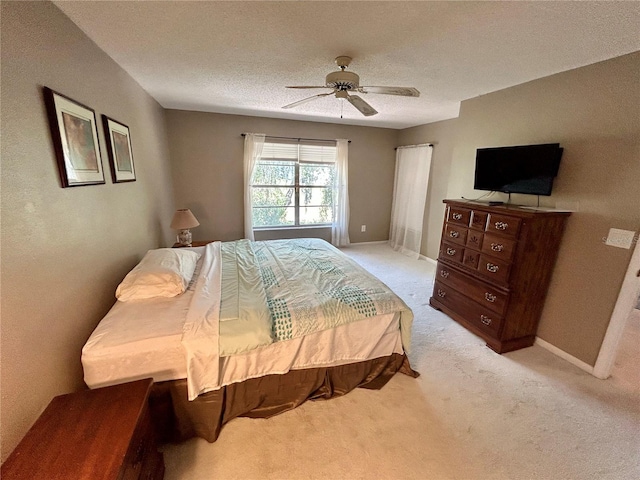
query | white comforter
[275, 292]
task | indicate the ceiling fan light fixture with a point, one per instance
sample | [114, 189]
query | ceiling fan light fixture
[343, 80]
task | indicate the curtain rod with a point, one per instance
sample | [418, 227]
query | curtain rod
[297, 138]
[413, 146]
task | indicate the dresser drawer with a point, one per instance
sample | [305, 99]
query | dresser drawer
[482, 318]
[139, 448]
[499, 247]
[455, 234]
[486, 320]
[458, 215]
[494, 269]
[141, 461]
[480, 292]
[478, 220]
[450, 276]
[451, 252]
[503, 224]
[489, 297]
[474, 239]
[470, 258]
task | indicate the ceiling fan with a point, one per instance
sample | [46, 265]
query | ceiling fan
[343, 82]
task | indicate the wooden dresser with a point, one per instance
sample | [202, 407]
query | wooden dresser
[494, 268]
[94, 434]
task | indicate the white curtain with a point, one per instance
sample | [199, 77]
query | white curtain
[340, 226]
[409, 198]
[253, 143]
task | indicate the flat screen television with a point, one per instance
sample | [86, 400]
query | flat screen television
[528, 169]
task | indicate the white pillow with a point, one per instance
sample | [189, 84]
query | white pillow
[165, 272]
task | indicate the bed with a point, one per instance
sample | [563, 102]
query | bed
[256, 329]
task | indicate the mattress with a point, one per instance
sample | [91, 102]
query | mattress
[144, 339]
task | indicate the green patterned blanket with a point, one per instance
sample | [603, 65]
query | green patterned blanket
[283, 289]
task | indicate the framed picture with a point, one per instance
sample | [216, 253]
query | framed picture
[75, 139]
[119, 149]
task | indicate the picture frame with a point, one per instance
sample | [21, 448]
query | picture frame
[75, 139]
[119, 149]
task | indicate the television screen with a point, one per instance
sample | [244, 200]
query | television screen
[526, 169]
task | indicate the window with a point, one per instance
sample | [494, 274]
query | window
[293, 185]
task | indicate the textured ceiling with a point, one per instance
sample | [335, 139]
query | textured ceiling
[236, 57]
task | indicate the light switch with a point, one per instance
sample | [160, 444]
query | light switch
[620, 238]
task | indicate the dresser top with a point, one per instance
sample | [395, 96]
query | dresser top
[507, 208]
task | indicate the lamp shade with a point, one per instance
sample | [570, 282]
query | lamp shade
[183, 219]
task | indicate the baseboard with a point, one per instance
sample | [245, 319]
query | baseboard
[564, 355]
[427, 259]
[369, 243]
[421, 257]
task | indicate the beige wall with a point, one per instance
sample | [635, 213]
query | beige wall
[206, 157]
[443, 136]
[593, 113]
[65, 250]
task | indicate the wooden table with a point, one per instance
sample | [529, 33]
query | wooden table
[93, 434]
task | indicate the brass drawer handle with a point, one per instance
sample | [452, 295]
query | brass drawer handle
[484, 319]
[442, 293]
[497, 247]
[451, 251]
[457, 216]
[454, 234]
[444, 273]
[492, 268]
[501, 225]
[489, 297]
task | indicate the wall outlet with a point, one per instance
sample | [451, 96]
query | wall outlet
[620, 238]
[363, 228]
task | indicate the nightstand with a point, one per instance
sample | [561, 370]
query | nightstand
[193, 244]
[93, 434]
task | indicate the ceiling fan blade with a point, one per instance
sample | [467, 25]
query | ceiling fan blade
[364, 108]
[402, 91]
[306, 86]
[308, 99]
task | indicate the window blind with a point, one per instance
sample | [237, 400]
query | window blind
[299, 151]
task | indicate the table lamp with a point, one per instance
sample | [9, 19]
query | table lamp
[183, 220]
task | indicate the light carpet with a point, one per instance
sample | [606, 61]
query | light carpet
[472, 414]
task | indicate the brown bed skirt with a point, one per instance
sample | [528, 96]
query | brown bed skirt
[177, 419]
